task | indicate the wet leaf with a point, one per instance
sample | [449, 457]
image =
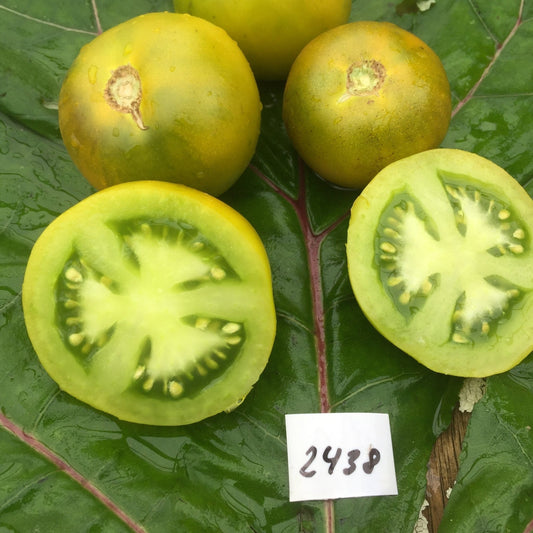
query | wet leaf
[65, 464]
[494, 489]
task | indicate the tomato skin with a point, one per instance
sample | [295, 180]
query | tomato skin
[464, 251]
[347, 134]
[271, 33]
[145, 300]
[199, 105]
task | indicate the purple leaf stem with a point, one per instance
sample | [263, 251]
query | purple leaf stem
[41, 449]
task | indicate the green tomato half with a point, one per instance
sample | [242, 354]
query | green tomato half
[151, 301]
[440, 258]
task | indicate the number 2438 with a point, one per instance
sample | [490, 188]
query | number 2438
[332, 459]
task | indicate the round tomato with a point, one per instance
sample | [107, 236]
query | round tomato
[270, 33]
[363, 95]
[151, 301]
[162, 96]
[440, 257]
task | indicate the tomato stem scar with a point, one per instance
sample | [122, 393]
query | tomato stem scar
[364, 78]
[123, 93]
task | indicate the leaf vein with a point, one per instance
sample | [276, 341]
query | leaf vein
[515, 437]
[61, 465]
[477, 12]
[277, 438]
[10, 303]
[488, 68]
[19, 494]
[368, 385]
[45, 22]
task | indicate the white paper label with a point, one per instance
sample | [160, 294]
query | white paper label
[339, 455]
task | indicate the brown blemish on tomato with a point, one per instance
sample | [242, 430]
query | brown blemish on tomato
[123, 93]
[364, 78]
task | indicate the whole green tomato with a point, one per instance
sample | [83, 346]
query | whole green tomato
[271, 33]
[363, 95]
[162, 96]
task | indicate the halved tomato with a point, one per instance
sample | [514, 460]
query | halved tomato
[151, 301]
[440, 257]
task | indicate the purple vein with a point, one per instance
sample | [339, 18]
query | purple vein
[499, 49]
[313, 243]
[60, 464]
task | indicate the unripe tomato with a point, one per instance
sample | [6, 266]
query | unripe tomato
[271, 33]
[162, 96]
[151, 301]
[363, 95]
[440, 259]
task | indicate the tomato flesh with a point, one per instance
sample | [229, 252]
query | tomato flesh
[441, 261]
[159, 310]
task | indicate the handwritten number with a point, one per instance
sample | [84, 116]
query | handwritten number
[331, 460]
[313, 451]
[353, 455]
[373, 459]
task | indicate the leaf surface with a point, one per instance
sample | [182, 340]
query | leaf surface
[63, 463]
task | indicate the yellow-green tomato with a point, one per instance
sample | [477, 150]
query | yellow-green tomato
[363, 95]
[162, 96]
[271, 33]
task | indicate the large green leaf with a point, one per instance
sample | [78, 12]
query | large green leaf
[65, 466]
